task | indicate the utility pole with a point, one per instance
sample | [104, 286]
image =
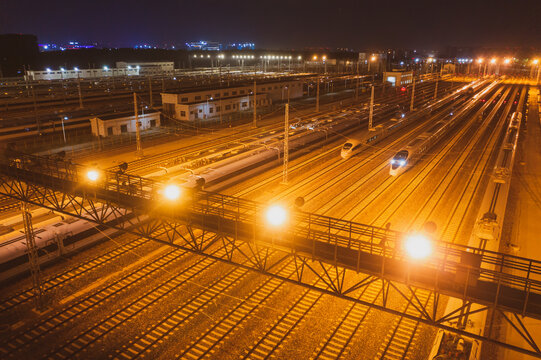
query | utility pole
[371, 114]
[150, 90]
[221, 109]
[357, 86]
[32, 253]
[286, 145]
[79, 90]
[537, 80]
[317, 95]
[139, 151]
[26, 80]
[412, 95]
[255, 104]
[38, 123]
[436, 89]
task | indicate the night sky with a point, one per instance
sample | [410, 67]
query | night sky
[280, 24]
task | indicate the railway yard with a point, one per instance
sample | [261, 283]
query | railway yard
[123, 296]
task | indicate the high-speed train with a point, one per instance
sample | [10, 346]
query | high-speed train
[354, 145]
[406, 157]
[53, 239]
[485, 235]
[378, 133]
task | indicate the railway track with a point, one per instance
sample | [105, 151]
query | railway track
[73, 273]
[308, 306]
[76, 310]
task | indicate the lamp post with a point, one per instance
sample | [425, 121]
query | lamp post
[286, 145]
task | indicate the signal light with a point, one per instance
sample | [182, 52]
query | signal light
[403, 88]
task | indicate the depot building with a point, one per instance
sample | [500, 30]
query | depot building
[123, 123]
[398, 78]
[203, 104]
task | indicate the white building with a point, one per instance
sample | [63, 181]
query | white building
[398, 78]
[117, 124]
[203, 104]
[62, 73]
[148, 68]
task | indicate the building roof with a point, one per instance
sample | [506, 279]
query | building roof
[120, 115]
[239, 84]
[215, 100]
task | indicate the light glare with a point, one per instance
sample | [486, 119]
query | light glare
[92, 175]
[276, 215]
[172, 192]
[418, 246]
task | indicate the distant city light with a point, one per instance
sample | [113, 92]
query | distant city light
[105, 68]
[76, 68]
[48, 69]
[62, 69]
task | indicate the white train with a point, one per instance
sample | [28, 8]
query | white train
[485, 235]
[54, 238]
[406, 157]
[355, 145]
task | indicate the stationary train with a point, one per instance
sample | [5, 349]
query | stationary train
[406, 157]
[355, 145]
[486, 236]
[53, 238]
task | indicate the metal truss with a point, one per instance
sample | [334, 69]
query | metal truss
[344, 257]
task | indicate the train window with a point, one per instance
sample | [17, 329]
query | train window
[347, 146]
[58, 224]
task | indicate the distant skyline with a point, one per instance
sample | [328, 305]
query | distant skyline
[280, 24]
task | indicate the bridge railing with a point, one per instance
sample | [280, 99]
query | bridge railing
[498, 268]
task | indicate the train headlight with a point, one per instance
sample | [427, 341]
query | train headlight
[402, 162]
[418, 246]
[393, 161]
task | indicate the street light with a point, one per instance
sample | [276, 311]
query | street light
[92, 175]
[418, 246]
[276, 215]
[171, 192]
[493, 61]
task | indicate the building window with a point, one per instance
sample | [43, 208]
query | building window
[276, 87]
[198, 98]
[242, 92]
[233, 93]
[183, 113]
[211, 110]
[244, 104]
[217, 95]
[184, 100]
[124, 128]
[152, 123]
[191, 112]
[226, 94]
[110, 131]
[228, 107]
[200, 110]
[217, 109]
[234, 106]
[262, 89]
